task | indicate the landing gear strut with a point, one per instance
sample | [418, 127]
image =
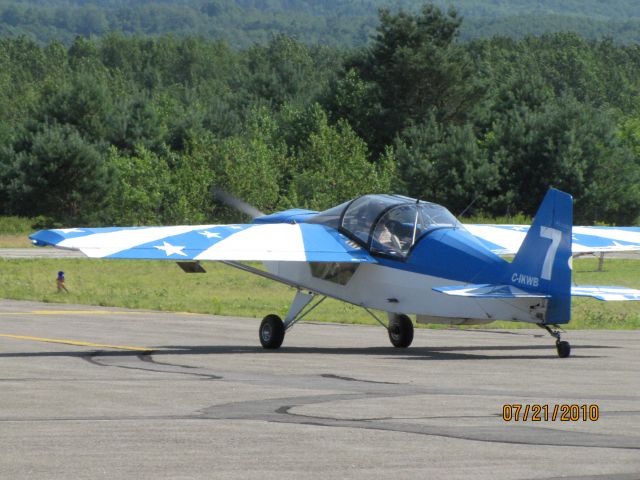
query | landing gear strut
[563, 347]
[272, 328]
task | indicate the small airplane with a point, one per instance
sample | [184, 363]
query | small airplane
[389, 253]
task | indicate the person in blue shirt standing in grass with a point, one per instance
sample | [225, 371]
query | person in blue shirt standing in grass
[60, 282]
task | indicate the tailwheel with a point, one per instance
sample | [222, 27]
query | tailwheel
[400, 331]
[271, 332]
[564, 348]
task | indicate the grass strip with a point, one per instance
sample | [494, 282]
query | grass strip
[161, 285]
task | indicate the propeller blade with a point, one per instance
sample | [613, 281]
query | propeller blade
[236, 203]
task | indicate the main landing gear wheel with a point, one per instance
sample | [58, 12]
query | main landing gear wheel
[564, 349]
[271, 332]
[400, 331]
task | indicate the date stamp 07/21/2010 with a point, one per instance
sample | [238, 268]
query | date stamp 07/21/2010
[535, 412]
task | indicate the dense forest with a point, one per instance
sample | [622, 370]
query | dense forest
[138, 129]
[340, 23]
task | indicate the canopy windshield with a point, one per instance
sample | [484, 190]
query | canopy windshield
[386, 224]
[361, 215]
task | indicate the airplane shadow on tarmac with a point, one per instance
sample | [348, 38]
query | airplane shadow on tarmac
[414, 353]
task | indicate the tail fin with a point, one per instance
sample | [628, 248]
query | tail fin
[543, 262]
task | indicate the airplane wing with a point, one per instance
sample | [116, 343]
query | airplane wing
[606, 294]
[247, 242]
[506, 239]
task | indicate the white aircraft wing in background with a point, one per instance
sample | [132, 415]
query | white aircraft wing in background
[506, 239]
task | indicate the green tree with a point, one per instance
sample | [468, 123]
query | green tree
[250, 166]
[187, 196]
[563, 144]
[445, 164]
[133, 120]
[138, 190]
[84, 101]
[355, 100]
[53, 171]
[286, 70]
[418, 70]
[332, 166]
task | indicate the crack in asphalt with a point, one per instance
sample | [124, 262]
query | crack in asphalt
[350, 379]
[146, 357]
[279, 411]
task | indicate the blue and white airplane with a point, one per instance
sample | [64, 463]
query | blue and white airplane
[389, 253]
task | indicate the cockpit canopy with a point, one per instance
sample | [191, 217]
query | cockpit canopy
[386, 224]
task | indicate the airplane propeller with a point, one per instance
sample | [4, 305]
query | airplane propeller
[236, 203]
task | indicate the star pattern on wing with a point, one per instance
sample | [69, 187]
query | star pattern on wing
[210, 234]
[171, 249]
[69, 230]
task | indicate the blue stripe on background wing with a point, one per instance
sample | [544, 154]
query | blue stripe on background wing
[606, 293]
[506, 239]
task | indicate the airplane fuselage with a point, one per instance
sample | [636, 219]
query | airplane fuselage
[445, 257]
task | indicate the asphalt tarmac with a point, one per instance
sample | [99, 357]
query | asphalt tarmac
[90, 392]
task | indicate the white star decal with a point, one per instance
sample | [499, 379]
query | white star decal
[171, 249]
[235, 227]
[210, 234]
[69, 230]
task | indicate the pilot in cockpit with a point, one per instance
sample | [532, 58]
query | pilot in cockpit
[394, 232]
[389, 239]
[363, 218]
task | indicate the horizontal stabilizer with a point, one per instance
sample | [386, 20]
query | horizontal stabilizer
[607, 294]
[488, 291]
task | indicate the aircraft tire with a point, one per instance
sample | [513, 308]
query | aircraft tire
[271, 332]
[564, 349]
[400, 331]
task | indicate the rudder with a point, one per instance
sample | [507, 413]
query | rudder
[542, 263]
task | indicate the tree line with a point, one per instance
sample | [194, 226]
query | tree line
[137, 130]
[340, 23]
